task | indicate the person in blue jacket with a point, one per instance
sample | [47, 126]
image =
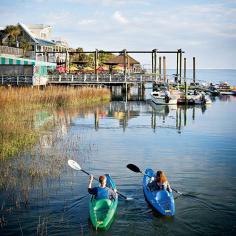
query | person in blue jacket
[101, 192]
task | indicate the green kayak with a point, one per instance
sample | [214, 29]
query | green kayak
[102, 212]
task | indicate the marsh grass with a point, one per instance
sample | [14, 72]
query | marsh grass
[32, 156]
[19, 105]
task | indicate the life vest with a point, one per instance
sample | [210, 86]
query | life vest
[102, 193]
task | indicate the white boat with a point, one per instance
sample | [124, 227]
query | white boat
[161, 98]
[225, 89]
[225, 92]
[198, 98]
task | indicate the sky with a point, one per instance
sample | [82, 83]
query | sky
[204, 29]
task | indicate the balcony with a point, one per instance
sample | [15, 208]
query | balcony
[17, 52]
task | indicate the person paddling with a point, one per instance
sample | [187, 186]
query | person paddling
[160, 182]
[101, 192]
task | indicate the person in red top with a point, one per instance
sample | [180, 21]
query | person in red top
[101, 192]
[160, 182]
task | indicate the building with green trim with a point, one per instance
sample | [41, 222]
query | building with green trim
[12, 69]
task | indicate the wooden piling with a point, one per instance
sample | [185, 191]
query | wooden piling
[185, 91]
[180, 66]
[125, 68]
[152, 62]
[184, 69]
[159, 68]
[164, 68]
[155, 63]
[96, 63]
[177, 65]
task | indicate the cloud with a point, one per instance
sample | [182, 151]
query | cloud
[110, 2]
[86, 22]
[119, 18]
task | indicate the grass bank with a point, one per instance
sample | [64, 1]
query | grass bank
[19, 106]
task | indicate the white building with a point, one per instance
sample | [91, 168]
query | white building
[39, 35]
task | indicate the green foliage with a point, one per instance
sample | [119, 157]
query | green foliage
[24, 44]
[13, 31]
[104, 57]
[87, 59]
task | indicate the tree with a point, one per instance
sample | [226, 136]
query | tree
[104, 57]
[13, 31]
[25, 45]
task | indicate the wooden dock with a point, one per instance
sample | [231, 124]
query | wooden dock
[105, 79]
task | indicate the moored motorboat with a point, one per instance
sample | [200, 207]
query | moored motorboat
[225, 89]
[163, 98]
[212, 90]
[193, 98]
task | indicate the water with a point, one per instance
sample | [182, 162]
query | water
[210, 75]
[195, 146]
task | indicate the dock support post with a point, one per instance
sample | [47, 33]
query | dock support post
[155, 64]
[177, 65]
[142, 91]
[2, 80]
[185, 91]
[72, 78]
[180, 66]
[194, 68]
[125, 59]
[164, 68]
[17, 80]
[160, 68]
[152, 61]
[184, 69]
[96, 63]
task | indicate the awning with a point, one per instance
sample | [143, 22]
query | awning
[7, 60]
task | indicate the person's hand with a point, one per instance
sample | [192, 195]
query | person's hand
[151, 179]
[91, 178]
[115, 190]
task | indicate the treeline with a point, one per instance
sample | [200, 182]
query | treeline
[88, 58]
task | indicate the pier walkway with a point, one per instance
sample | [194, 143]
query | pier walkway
[103, 79]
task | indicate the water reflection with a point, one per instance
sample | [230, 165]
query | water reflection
[126, 114]
[39, 190]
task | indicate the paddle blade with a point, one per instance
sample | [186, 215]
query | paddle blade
[129, 199]
[74, 165]
[134, 168]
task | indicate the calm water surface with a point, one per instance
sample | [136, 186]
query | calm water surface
[195, 146]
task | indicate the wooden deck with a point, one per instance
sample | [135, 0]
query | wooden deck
[109, 80]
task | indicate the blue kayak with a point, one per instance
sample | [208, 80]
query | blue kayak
[162, 200]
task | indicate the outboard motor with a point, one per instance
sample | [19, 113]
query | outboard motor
[167, 99]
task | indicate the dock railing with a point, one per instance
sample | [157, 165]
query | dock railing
[102, 78]
[18, 52]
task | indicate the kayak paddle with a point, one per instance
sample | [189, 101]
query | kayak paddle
[74, 165]
[136, 169]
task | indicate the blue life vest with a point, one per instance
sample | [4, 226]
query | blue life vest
[103, 193]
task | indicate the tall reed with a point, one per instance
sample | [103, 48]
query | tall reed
[18, 107]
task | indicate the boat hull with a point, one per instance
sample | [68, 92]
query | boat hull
[163, 101]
